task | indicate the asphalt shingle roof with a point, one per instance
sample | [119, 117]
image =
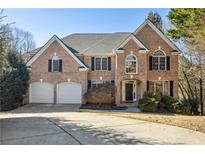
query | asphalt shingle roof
[95, 42]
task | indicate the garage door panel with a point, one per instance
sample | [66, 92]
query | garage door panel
[69, 93]
[41, 93]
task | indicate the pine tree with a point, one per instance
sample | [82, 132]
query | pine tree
[156, 19]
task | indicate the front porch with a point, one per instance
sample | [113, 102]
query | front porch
[129, 91]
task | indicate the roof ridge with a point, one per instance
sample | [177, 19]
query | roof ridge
[94, 34]
[90, 34]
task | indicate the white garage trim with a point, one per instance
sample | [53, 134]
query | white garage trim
[78, 93]
[40, 99]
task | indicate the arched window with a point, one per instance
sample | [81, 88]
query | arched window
[159, 60]
[131, 64]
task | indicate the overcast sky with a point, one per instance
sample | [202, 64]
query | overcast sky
[43, 23]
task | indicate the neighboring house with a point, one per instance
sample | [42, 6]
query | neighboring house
[64, 69]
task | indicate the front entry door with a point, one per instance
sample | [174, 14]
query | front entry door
[129, 91]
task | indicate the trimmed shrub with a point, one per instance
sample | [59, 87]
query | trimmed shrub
[150, 102]
[192, 105]
[105, 94]
[154, 102]
[168, 103]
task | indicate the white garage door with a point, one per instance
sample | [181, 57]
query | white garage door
[41, 93]
[69, 93]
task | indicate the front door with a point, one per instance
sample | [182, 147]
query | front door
[129, 91]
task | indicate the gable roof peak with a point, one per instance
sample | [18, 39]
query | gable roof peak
[47, 44]
[159, 32]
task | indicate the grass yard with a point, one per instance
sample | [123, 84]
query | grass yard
[196, 123]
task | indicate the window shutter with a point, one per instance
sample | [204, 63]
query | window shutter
[49, 65]
[109, 63]
[92, 63]
[113, 82]
[147, 85]
[171, 88]
[60, 65]
[89, 84]
[168, 62]
[150, 62]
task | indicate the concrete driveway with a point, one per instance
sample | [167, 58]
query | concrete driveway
[63, 124]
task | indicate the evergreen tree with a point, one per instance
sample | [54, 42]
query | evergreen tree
[189, 28]
[14, 82]
[156, 19]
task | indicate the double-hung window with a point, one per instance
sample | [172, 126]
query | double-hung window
[98, 83]
[101, 64]
[55, 64]
[159, 61]
[156, 86]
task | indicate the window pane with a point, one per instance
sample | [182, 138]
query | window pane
[55, 65]
[104, 63]
[98, 63]
[155, 63]
[130, 67]
[159, 87]
[162, 63]
[131, 57]
[159, 53]
[151, 86]
[97, 84]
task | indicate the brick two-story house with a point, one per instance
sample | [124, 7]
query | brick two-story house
[64, 69]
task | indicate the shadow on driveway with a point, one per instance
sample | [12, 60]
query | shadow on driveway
[47, 108]
[40, 130]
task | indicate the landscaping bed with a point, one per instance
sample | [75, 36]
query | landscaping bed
[101, 107]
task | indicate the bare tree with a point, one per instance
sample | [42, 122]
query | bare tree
[22, 41]
[4, 40]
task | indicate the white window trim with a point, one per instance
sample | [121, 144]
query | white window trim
[100, 63]
[158, 58]
[132, 61]
[55, 58]
[99, 80]
[163, 81]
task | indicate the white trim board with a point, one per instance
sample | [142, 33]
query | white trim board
[134, 39]
[54, 38]
[168, 41]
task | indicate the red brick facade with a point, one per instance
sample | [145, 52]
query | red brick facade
[148, 37]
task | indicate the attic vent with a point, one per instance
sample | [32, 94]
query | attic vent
[121, 49]
[55, 42]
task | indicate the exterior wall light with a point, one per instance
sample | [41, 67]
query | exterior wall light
[68, 79]
[41, 80]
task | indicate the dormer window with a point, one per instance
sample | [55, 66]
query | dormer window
[131, 64]
[159, 60]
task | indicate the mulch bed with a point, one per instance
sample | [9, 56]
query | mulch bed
[102, 107]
